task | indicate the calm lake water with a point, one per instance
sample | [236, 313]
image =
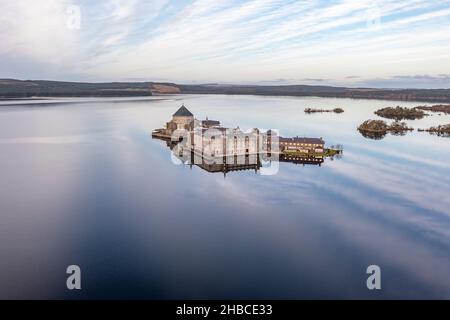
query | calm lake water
[83, 182]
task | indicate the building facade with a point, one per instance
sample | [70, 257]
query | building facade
[214, 148]
[209, 139]
[301, 144]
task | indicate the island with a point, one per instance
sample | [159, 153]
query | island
[400, 113]
[442, 130]
[214, 148]
[436, 108]
[377, 129]
[335, 110]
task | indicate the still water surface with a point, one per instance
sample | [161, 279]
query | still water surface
[83, 182]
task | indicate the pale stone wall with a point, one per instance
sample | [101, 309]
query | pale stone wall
[216, 143]
[182, 122]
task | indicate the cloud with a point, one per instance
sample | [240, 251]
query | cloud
[406, 81]
[123, 9]
[439, 77]
[35, 36]
[230, 41]
[314, 80]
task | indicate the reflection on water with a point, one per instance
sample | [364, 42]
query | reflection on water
[373, 135]
[85, 184]
[237, 163]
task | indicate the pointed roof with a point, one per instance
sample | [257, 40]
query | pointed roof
[183, 112]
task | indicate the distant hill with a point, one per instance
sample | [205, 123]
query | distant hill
[11, 88]
[430, 95]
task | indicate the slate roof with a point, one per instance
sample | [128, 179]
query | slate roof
[183, 112]
[302, 140]
[210, 123]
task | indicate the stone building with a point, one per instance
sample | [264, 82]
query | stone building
[182, 119]
[207, 138]
[221, 142]
[305, 145]
[214, 148]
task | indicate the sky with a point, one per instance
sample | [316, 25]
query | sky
[365, 43]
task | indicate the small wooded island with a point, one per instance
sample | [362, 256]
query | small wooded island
[400, 113]
[443, 130]
[335, 110]
[436, 108]
[379, 128]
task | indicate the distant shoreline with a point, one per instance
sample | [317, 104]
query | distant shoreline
[11, 89]
[162, 97]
